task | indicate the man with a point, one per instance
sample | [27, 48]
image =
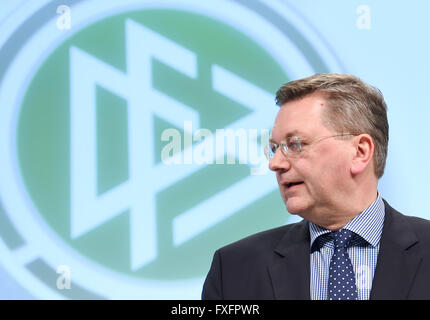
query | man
[328, 149]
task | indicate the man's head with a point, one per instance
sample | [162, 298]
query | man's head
[342, 128]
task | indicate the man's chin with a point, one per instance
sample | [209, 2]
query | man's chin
[295, 206]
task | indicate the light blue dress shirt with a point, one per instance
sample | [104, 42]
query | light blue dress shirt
[368, 225]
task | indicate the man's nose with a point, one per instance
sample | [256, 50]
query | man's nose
[279, 162]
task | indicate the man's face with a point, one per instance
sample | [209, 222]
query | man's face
[321, 171]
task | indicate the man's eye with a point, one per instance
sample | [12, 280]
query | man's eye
[294, 146]
[273, 147]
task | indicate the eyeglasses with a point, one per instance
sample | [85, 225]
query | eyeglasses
[293, 145]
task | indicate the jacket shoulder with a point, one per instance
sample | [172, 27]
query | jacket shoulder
[420, 226]
[261, 243]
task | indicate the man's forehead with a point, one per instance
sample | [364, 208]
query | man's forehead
[298, 118]
[293, 126]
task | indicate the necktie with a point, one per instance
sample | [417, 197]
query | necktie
[341, 283]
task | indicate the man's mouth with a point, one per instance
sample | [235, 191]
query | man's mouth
[292, 184]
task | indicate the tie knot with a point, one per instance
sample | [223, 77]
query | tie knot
[342, 238]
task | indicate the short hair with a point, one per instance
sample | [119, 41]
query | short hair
[352, 106]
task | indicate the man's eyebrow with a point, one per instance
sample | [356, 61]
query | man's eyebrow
[292, 133]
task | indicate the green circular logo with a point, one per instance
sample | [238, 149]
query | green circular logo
[44, 136]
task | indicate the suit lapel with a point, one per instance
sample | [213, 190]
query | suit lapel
[398, 260]
[290, 273]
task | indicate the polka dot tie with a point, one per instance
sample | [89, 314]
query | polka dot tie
[341, 283]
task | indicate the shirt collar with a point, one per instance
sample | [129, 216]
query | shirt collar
[368, 224]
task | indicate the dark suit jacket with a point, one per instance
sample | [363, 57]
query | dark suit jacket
[275, 264]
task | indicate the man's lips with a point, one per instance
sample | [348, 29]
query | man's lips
[289, 185]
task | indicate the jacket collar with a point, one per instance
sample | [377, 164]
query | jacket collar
[290, 273]
[398, 259]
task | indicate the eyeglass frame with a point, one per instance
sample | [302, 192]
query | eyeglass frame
[284, 147]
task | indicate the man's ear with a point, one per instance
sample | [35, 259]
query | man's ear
[364, 149]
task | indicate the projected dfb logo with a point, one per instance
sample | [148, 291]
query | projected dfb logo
[87, 142]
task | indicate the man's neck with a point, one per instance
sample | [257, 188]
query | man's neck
[337, 219]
